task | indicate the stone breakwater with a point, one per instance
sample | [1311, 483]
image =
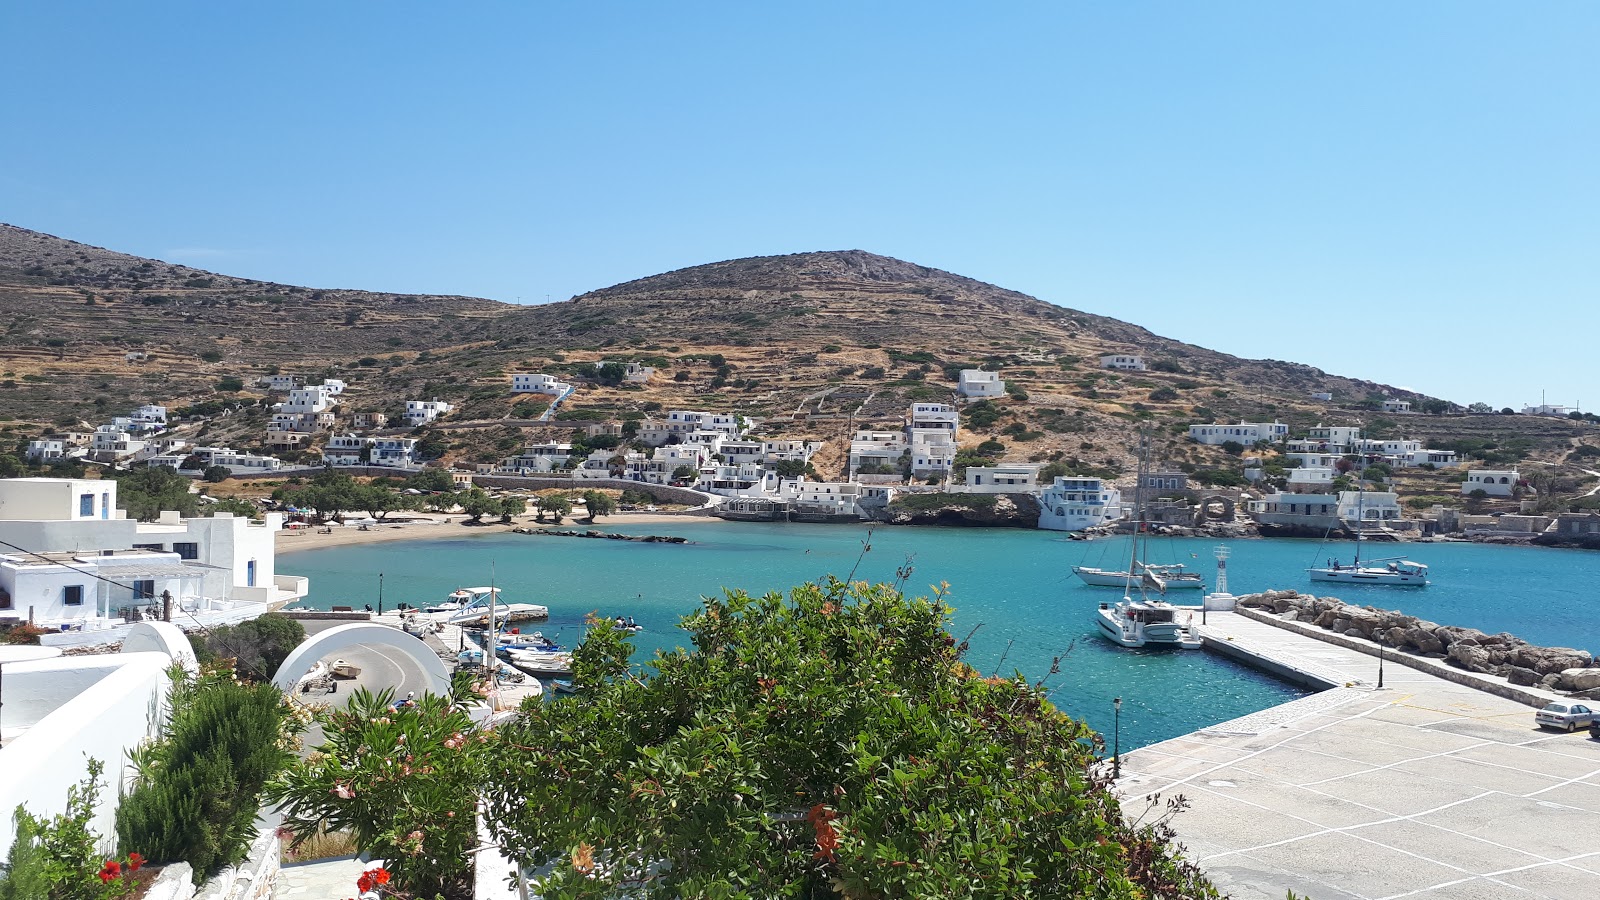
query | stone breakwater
[608, 536]
[1504, 655]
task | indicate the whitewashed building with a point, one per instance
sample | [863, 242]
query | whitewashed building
[112, 443]
[369, 420]
[1125, 361]
[97, 563]
[1549, 409]
[308, 400]
[1396, 405]
[1073, 503]
[1246, 433]
[1311, 480]
[1324, 396]
[977, 383]
[281, 382]
[46, 451]
[421, 412]
[233, 460]
[538, 383]
[149, 418]
[877, 449]
[1012, 478]
[353, 450]
[1494, 482]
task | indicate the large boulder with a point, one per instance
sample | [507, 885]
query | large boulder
[1423, 639]
[1584, 679]
[1469, 657]
[1522, 677]
[1546, 660]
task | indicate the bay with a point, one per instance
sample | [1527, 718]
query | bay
[1014, 587]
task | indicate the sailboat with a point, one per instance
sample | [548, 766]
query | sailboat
[1173, 576]
[1144, 622]
[1387, 570]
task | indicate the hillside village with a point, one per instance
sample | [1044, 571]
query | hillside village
[819, 387]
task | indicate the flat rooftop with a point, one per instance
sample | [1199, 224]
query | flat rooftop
[1424, 789]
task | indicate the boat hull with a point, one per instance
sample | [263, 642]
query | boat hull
[1162, 635]
[1370, 576]
[1102, 578]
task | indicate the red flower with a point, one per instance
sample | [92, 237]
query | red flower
[364, 883]
[134, 862]
[110, 871]
[380, 875]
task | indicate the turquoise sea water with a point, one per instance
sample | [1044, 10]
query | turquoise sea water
[1016, 585]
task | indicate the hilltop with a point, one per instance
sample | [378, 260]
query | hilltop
[817, 343]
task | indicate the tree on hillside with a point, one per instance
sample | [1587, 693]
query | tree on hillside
[789, 468]
[239, 507]
[827, 744]
[258, 646]
[148, 491]
[378, 501]
[598, 504]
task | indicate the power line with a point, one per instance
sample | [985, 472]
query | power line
[95, 575]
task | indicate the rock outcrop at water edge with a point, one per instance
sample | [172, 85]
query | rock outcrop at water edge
[1504, 655]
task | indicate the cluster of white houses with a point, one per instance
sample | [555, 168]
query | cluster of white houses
[73, 563]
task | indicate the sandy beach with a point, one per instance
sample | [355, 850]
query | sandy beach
[448, 526]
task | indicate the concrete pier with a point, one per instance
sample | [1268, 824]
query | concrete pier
[1426, 788]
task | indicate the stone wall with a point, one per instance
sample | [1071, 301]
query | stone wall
[1503, 655]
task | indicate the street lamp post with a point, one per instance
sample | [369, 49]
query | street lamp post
[1380, 665]
[1116, 738]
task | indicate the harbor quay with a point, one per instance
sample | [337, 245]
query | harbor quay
[1420, 783]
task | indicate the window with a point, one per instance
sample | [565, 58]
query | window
[144, 589]
[86, 505]
[250, 573]
[187, 551]
[72, 595]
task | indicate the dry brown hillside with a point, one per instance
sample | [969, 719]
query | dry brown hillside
[817, 343]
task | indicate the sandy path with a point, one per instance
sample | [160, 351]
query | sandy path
[289, 541]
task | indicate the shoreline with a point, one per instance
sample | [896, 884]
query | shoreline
[425, 527]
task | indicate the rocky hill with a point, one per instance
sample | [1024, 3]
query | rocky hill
[817, 343]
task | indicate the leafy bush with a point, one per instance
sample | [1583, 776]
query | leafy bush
[1163, 395]
[197, 790]
[983, 414]
[257, 646]
[55, 858]
[827, 744]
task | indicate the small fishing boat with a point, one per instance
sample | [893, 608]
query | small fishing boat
[539, 664]
[469, 606]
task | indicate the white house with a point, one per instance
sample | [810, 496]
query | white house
[334, 386]
[281, 382]
[1311, 480]
[1324, 396]
[112, 443]
[933, 416]
[97, 562]
[369, 420]
[683, 422]
[1126, 361]
[544, 457]
[1494, 482]
[234, 461]
[421, 412]
[1013, 478]
[933, 452]
[149, 418]
[312, 400]
[1073, 504]
[351, 450]
[1422, 456]
[1246, 433]
[978, 383]
[1369, 506]
[1547, 409]
[1395, 405]
[878, 449]
[538, 383]
[822, 500]
[1334, 438]
[47, 450]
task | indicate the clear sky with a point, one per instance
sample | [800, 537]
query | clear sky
[1407, 192]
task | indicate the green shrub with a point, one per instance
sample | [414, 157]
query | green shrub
[57, 858]
[257, 646]
[197, 789]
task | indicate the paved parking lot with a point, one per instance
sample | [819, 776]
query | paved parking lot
[1425, 789]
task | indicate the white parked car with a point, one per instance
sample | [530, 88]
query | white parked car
[1565, 716]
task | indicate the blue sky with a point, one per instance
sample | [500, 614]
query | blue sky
[1402, 192]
